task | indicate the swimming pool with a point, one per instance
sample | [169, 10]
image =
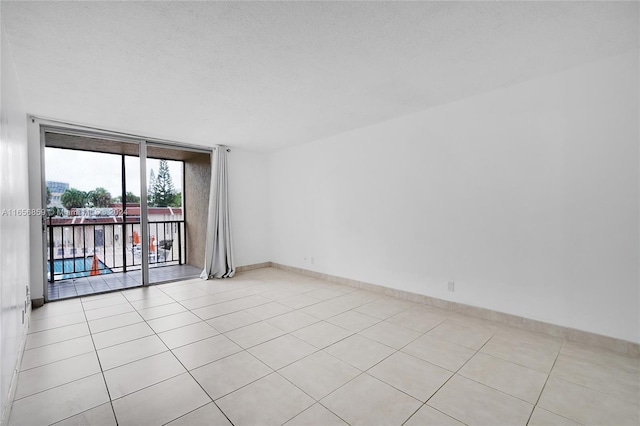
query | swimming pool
[63, 268]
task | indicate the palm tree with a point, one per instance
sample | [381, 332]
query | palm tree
[99, 197]
[73, 199]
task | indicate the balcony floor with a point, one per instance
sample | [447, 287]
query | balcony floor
[65, 289]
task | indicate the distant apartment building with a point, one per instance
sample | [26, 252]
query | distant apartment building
[56, 189]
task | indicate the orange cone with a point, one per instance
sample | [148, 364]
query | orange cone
[136, 237]
[95, 266]
[152, 246]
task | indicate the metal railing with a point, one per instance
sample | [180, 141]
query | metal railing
[117, 245]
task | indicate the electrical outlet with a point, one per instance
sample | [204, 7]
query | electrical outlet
[451, 286]
[312, 260]
[305, 259]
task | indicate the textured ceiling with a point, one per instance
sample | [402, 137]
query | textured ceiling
[267, 75]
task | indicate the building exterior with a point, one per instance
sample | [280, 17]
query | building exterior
[56, 189]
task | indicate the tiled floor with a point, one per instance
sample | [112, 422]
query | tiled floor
[65, 289]
[269, 347]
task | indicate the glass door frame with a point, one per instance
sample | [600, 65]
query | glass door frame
[52, 126]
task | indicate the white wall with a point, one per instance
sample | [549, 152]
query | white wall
[14, 230]
[249, 201]
[527, 197]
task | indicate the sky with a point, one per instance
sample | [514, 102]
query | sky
[85, 170]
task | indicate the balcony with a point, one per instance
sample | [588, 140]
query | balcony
[94, 255]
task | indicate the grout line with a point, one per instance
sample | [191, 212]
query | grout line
[104, 379]
[267, 282]
[545, 383]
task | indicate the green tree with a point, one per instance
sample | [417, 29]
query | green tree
[151, 190]
[177, 200]
[73, 199]
[99, 197]
[48, 196]
[163, 190]
[131, 198]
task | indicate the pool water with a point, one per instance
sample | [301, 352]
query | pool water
[63, 268]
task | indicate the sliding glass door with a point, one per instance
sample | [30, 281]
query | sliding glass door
[116, 214]
[88, 245]
[166, 215]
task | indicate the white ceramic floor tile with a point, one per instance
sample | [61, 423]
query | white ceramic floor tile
[152, 302]
[232, 321]
[514, 379]
[359, 351]
[273, 400]
[160, 403]
[282, 351]
[102, 415]
[124, 334]
[63, 307]
[102, 301]
[254, 334]
[467, 335]
[326, 293]
[187, 334]
[56, 335]
[108, 311]
[222, 377]
[390, 334]
[587, 406]
[367, 401]
[201, 302]
[114, 322]
[187, 293]
[142, 293]
[139, 374]
[430, 416]
[300, 301]
[205, 351]
[209, 415]
[269, 310]
[56, 352]
[170, 322]
[56, 373]
[353, 321]
[419, 319]
[277, 294]
[617, 380]
[411, 375]
[601, 356]
[316, 415]
[385, 308]
[292, 321]
[235, 305]
[56, 321]
[321, 334]
[474, 403]
[115, 356]
[538, 357]
[537, 339]
[542, 417]
[161, 311]
[356, 299]
[439, 352]
[60, 402]
[319, 374]
[324, 310]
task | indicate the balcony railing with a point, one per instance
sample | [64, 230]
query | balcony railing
[117, 246]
